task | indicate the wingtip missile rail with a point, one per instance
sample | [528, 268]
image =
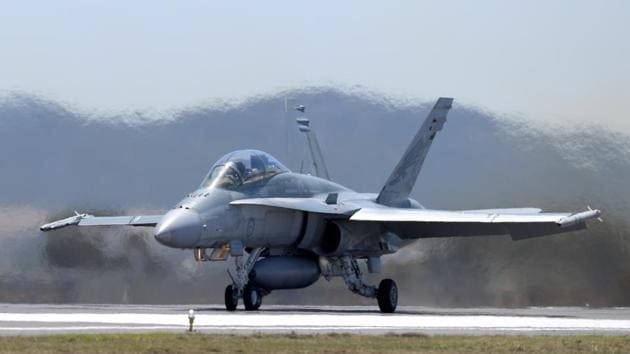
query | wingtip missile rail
[73, 220]
[579, 217]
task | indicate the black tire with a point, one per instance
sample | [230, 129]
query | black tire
[387, 296]
[231, 298]
[252, 298]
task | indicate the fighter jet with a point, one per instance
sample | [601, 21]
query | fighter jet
[285, 230]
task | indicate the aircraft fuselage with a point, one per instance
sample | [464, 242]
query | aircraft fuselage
[206, 219]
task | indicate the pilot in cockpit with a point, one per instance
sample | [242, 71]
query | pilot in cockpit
[241, 167]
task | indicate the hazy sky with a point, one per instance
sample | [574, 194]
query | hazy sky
[547, 60]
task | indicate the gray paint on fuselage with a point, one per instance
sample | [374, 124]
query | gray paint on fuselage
[256, 226]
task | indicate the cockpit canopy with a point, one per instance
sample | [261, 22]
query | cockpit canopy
[242, 167]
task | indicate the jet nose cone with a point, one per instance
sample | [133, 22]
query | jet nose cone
[179, 228]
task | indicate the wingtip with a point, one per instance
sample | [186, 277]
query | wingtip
[580, 217]
[598, 213]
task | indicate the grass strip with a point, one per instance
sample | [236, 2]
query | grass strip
[299, 343]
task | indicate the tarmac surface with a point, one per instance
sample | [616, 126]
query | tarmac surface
[27, 319]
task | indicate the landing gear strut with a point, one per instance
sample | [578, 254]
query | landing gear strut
[347, 267]
[252, 297]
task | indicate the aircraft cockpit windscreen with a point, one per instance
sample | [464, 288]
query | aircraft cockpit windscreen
[242, 167]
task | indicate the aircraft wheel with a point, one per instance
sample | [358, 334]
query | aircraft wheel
[252, 298]
[387, 296]
[231, 298]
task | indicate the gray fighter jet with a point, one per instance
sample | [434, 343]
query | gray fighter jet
[285, 230]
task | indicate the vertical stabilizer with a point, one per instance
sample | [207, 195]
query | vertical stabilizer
[400, 183]
[319, 166]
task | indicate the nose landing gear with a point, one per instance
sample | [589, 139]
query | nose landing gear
[231, 298]
[252, 296]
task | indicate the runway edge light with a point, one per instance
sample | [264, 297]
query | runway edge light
[191, 319]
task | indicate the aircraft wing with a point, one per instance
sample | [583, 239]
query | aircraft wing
[313, 205]
[520, 223]
[91, 220]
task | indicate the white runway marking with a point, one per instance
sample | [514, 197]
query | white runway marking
[309, 322]
[90, 328]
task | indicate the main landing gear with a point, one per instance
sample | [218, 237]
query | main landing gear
[387, 296]
[252, 296]
[386, 293]
[347, 267]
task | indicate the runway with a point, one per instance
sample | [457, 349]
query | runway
[23, 319]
